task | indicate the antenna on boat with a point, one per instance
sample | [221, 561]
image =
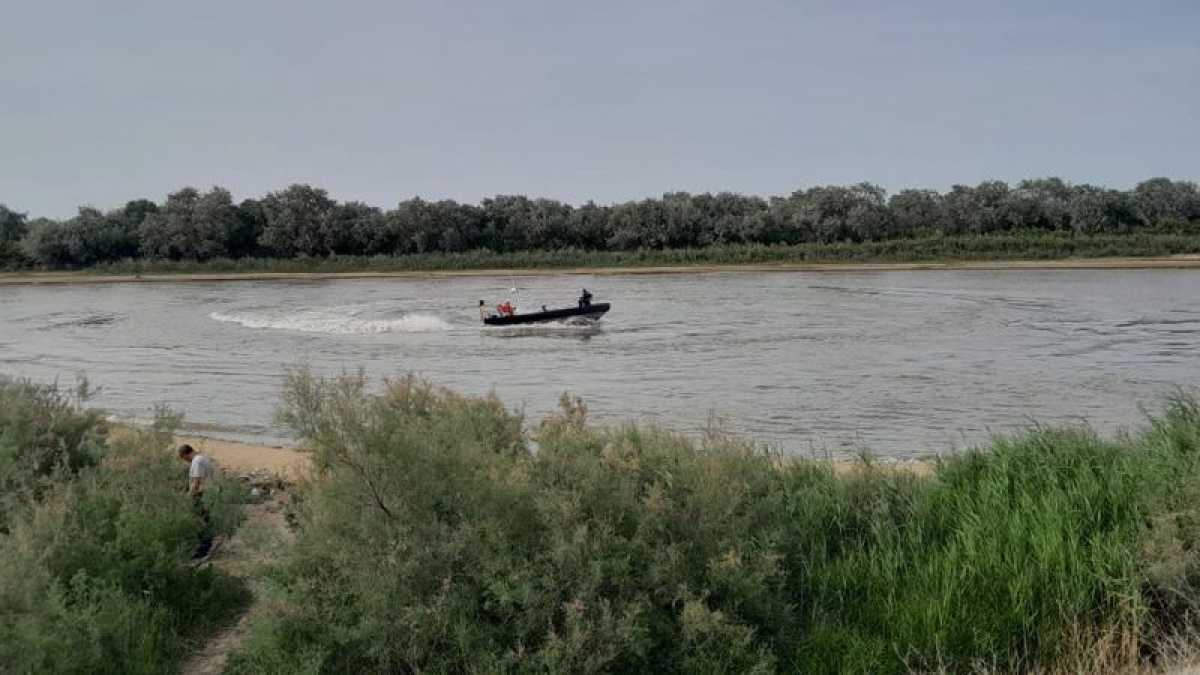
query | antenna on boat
[516, 290]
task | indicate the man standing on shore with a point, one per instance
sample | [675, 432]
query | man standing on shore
[201, 469]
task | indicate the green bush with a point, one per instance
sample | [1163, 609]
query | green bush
[93, 572]
[44, 433]
[80, 626]
[439, 540]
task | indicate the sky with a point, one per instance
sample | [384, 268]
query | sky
[104, 101]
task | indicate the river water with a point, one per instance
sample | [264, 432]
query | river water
[898, 363]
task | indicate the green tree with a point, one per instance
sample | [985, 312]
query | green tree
[414, 226]
[546, 224]
[465, 221]
[506, 222]
[1097, 210]
[46, 243]
[682, 220]
[12, 229]
[134, 213]
[99, 237]
[1165, 203]
[834, 213]
[917, 211]
[301, 220]
[1041, 203]
[768, 226]
[251, 220]
[589, 226]
[980, 209]
[191, 226]
[90, 237]
[638, 225]
[353, 226]
[723, 217]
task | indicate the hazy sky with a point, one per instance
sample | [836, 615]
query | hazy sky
[108, 100]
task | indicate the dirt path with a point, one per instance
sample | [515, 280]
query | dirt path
[263, 534]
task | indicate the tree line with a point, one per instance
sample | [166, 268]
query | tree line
[304, 221]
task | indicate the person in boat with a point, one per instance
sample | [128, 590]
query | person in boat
[483, 313]
[506, 308]
[585, 299]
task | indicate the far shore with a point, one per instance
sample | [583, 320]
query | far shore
[1190, 261]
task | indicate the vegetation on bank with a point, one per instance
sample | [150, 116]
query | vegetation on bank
[435, 539]
[1001, 247]
[301, 226]
[95, 536]
[441, 534]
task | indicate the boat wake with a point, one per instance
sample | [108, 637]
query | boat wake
[333, 321]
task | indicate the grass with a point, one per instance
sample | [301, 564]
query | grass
[1007, 246]
[436, 541]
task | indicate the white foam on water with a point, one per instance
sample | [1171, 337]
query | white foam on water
[333, 322]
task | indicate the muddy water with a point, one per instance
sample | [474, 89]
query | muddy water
[900, 363]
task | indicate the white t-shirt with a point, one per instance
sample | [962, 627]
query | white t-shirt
[202, 467]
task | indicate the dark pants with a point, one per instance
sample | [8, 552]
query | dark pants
[206, 534]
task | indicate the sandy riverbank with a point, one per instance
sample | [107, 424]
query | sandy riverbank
[236, 457]
[291, 464]
[1168, 262]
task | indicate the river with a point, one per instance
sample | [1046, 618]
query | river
[903, 363]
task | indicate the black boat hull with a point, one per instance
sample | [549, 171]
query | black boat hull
[584, 314]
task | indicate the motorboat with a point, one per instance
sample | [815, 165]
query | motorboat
[588, 312]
